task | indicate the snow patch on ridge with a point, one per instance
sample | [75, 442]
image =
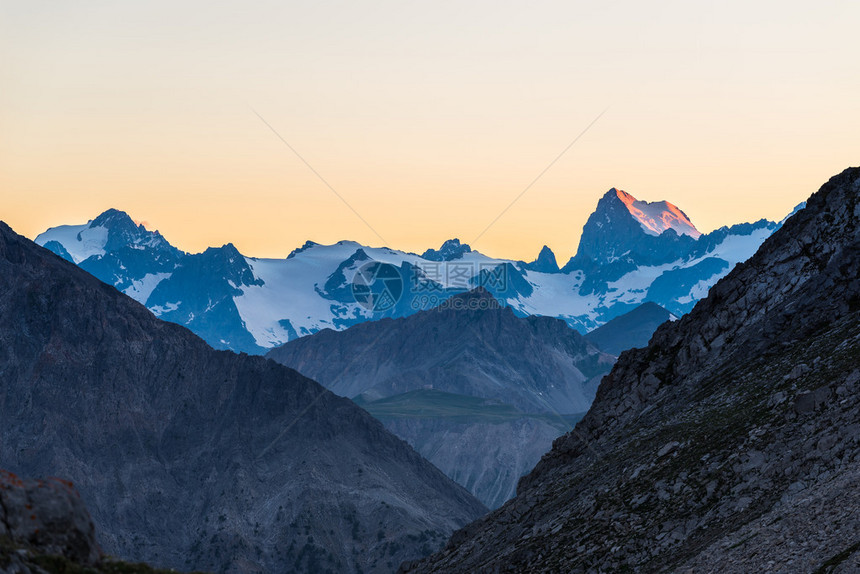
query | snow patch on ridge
[290, 287]
[141, 289]
[80, 241]
[658, 216]
[738, 248]
[289, 290]
[558, 296]
[159, 310]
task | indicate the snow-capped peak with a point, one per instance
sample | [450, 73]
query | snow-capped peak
[111, 230]
[79, 241]
[113, 218]
[657, 216]
[250, 304]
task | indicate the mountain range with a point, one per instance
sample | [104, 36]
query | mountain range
[729, 444]
[478, 391]
[188, 457]
[630, 252]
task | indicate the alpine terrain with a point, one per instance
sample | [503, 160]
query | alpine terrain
[189, 457]
[630, 252]
[731, 443]
[480, 392]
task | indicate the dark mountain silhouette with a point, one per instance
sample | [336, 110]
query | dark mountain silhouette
[545, 262]
[191, 457]
[630, 330]
[470, 345]
[450, 250]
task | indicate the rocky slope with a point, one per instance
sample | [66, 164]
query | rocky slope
[487, 457]
[469, 346]
[731, 443]
[500, 384]
[190, 457]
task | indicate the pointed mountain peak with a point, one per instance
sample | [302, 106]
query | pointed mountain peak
[450, 250]
[655, 217]
[623, 228]
[226, 257]
[112, 230]
[227, 251]
[225, 261]
[112, 218]
[359, 255]
[615, 193]
[545, 262]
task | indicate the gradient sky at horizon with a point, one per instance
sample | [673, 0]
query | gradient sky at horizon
[429, 118]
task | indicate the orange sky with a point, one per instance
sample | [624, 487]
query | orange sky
[429, 118]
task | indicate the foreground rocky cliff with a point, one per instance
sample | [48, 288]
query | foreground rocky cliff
[45, 529]
[193, 458]
[731, 443]
[40, 519]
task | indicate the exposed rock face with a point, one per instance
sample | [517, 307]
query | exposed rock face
[729, 444]
[625, 236]
[207, 307]
[47, 516]
[612, 233]
[469, 347]
[545, 262]
[450, 250]
[190, 457]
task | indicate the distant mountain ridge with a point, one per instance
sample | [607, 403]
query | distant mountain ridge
[536, 364]
[631, 330]
[630, 252]
[480, 392]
